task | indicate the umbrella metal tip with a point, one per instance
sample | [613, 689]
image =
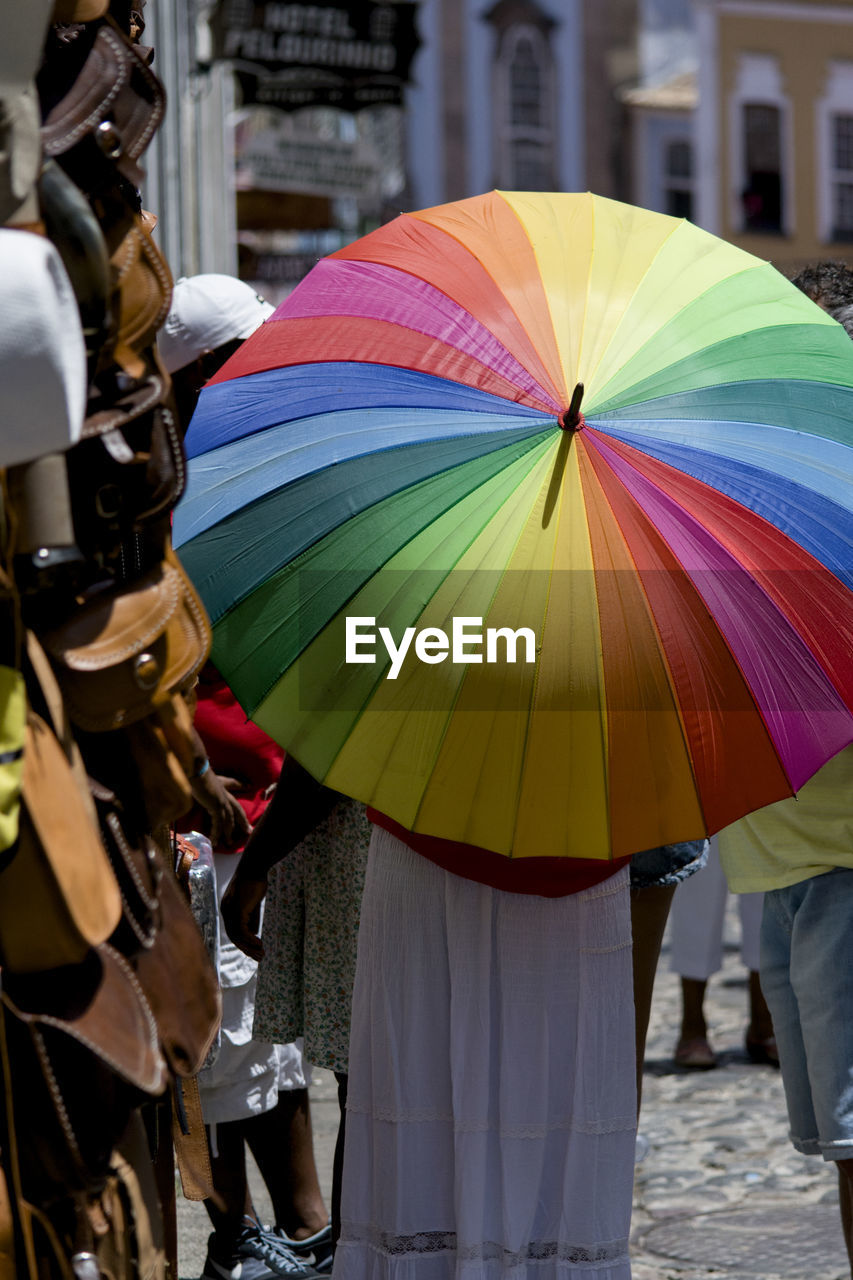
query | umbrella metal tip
[572, 419]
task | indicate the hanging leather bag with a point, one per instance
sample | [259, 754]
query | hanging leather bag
[129, 467]
[159, 936]
[127, 649]
[58, 896]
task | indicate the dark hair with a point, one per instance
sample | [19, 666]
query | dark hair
[188, 381]
[828, 283]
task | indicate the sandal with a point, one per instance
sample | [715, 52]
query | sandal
[763, 1052]
[695, 1053]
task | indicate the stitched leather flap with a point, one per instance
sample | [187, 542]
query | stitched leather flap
[100, 1003]
[118, 625]
[115, 92]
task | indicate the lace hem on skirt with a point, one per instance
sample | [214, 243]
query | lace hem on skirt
[433, 1242]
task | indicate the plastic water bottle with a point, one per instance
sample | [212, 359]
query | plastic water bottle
[205, 909]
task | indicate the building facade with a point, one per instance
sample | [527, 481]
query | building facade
[774, 127]
[662, 125]
[520, 95]
[514, 94]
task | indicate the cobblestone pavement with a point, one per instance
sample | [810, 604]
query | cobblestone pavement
[720, 1192]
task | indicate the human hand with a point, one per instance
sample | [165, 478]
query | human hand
[229, 825]
[241, 914]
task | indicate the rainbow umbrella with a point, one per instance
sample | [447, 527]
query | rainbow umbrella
[596, 465]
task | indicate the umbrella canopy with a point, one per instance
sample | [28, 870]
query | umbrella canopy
[403, 446]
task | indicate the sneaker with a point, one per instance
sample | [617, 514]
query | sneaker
[256, 1254]
[314, 1251]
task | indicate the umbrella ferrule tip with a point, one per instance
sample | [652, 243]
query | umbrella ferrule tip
[572, 419]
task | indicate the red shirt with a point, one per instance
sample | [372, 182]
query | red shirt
[236, 748]
[546, 877]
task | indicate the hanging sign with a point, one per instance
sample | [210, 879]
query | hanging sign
[274, 161]
[331, 53]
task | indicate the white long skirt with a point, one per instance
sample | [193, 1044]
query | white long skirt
[491, 1109]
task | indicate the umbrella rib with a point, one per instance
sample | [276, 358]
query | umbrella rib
[589, 374]
[565, 445]
[662, 652]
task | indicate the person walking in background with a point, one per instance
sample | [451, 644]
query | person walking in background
[306, 862]
[696, 952]
[799, 852]
[256, 1092]
[491, 1108]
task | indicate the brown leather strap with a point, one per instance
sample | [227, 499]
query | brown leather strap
[190, 1139]
[115, 100]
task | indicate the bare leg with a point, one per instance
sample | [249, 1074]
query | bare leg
[760, 1040]
[693, 1049]
[282, 1143]
[693, 1025]
[228, 1170]
[649, 911]
[845, 1198]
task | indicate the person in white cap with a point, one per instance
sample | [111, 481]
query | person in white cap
[211, 315]
[254, 1092]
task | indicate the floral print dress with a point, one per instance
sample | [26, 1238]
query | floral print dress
[310, 932]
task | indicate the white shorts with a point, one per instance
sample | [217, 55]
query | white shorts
[247, 1075]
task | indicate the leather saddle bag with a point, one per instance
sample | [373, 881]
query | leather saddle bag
[126, 650]
[160, 937]
[102, 105]
[128, 469]
[100, 1004]
[112, 108]
[144, 294]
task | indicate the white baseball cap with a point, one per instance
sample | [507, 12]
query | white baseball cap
[208, 311]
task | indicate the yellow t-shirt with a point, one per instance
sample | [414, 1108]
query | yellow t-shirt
[796, 838]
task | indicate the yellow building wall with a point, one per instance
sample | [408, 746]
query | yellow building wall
[804, 49]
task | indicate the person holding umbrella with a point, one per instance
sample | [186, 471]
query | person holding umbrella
[491, 1110]
[567, 430]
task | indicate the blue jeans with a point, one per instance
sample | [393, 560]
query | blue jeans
[807, 980]
[668, 864]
